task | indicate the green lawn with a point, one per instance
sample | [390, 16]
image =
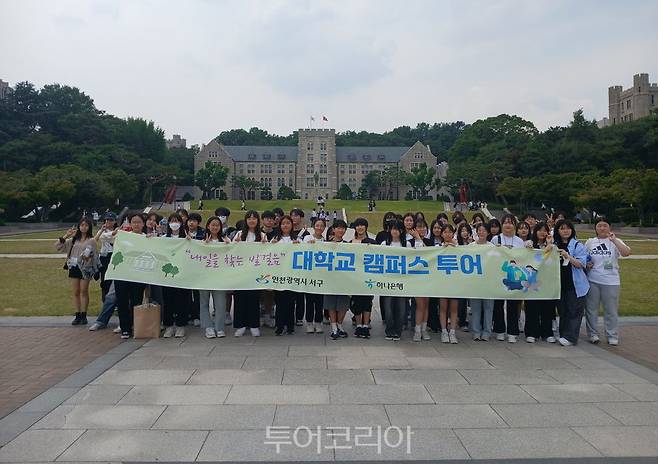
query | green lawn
[40, 287]
[50, 234]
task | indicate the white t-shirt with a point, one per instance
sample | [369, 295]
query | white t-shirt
[251, 237]
[509, 242]
[475, 243]
[287, 239]
[308, 238]
[605, 260]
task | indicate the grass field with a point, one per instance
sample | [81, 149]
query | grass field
[40, 287]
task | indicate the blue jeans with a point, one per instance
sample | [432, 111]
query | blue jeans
[481, 316]
[108, 307]
[218, 302]
[394, 307]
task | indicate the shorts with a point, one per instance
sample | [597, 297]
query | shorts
[337, 302]
[361, 304]
[75, 273]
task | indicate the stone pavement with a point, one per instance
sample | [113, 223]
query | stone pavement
[213, 400]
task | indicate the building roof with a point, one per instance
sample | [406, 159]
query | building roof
[285, 154]
[370, 154]
[262, 153]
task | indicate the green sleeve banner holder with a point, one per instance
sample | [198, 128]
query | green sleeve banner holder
[483, 271]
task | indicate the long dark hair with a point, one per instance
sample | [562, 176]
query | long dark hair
[78, 232]
[556, 232]
[140, 215]
[494, 222]
[220, 235]
[245, 227]
[432, 236]
[539, 226]
[461, 226]
[181, 231]
[279, 232]
[399, 226]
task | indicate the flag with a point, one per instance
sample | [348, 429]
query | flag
[324, 118]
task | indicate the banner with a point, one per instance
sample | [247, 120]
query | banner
[338, 268]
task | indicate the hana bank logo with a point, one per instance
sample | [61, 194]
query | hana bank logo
[263, 279]
[370, 283]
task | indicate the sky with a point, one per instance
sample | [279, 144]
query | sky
[198, 67]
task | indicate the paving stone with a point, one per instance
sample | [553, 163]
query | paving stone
[100, 417]
[622, 441]
[370, 362]
[553, 415]
[327, 377]
[576, 393]
[16, 423]
[99, 394]
[262, 351]
[331, 416]
[48, 400]
[548, 351]
[417, 350]
[334, 350]
[531, 363]
[438, 362]
[594, 376]
[297, 362]
[380, 394]
[444, 416]
[139, 362]
[642, 392]
[519, 443]
[216, 417]
[279, 394]
[38, 445]
[588, 362]
[632, 413]
[479, 394]
[176, 394]
[136, 445]
[237, 377]
[205, 362]
[80, 378]
[144, 377]
[418, 377]
[507, 377]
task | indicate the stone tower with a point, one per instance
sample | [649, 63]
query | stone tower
[317, 155]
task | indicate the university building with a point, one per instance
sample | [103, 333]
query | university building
[633, 103]
[316, 166]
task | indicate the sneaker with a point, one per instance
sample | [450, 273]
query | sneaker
[425, 335]
[299, 323]
[318, 328]
[96, 326]
[229, 319]
[210, 332]
[168, 333]
[290, 332]
[445, 338]
[388, 337]
[310, 329]
[465, 328]
[594, 339]
[271, 323]
[613, 341]
[278, 332]
[357, 332]
[125, 335]
[117, 330]
[342, 333]
[417, 337]
[512, 339]
[396, 338]
[484, 338]
[180, 332]
[551, 340]
[530, 339]
[334, 335]
[366, 332]
[476, 337]
[240, 332]
[500, 337]
[221, 334]
[564, 342]
[453, 337]
[255, 332]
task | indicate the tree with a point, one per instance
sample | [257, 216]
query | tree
[117, 258]
[344, 193]
[372, 182]
[212, 176]
[286, 193]
[168, 269]
[421, 180]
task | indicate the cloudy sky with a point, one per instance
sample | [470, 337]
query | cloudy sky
[200, 67]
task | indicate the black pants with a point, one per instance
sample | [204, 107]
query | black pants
[129, 295]
[246, 309]
[433, 321]
[195, 307]
[176, 306]
[299, 305]
[395, 308]
[285, 310]
[512, 317]
[571, 310]
[538, 318]
[314, 307]
[462, 312]
[105, 284]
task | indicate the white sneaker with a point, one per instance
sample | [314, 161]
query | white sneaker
[210, 332]
[453, 337]
[221, 334]
[95, 326]
[309, 328]
[551, 340]
[613, 341]
[255, 332]
[168, 333]
[180, 332]
[500, 337]
[318, 327]
[476, 337]
[117, 330]
[196, 322]
[594, 339]
[445, 338]
[512, 338]
[417, 337]
[425, 334]
[271, 323]
[530, 339]
[564, 342]
[484, 338]
[229, 319]
[240, 332]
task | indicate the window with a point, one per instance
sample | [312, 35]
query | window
[241, 166]
[291, 168]
[323, 157]
[323, 147]
[266, 169]
[366, 157]
[252, 156]
[310, 182]
[351, 157]
[342, 169]
[380, 157]
[653, 100]
[323, 181]
[290, 182]
[628, 104]
[309, 158]
[280, 182]
[251, 169]
[251, 195]
[352, 168]
[280, 169]
[267, 156]
[414, 165]
[323, 169]
[309, 146]
[281, 156]
[418, 155]
[310, 169]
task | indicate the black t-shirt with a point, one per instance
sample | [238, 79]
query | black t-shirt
[366, 240]
[299, 234]
[381, 236]
[271, 234]
[566, 276]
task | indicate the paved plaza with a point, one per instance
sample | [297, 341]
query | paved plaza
[194, 399]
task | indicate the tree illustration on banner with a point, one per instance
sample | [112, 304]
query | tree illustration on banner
[117, 258]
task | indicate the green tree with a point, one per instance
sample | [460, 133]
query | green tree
[117, 258]
[286, 193]
[421, 180]
[212, 176]
[372, 182]
[174, 271]
[345, 193]
[168, 269]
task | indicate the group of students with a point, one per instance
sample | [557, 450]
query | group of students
[589, 278]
